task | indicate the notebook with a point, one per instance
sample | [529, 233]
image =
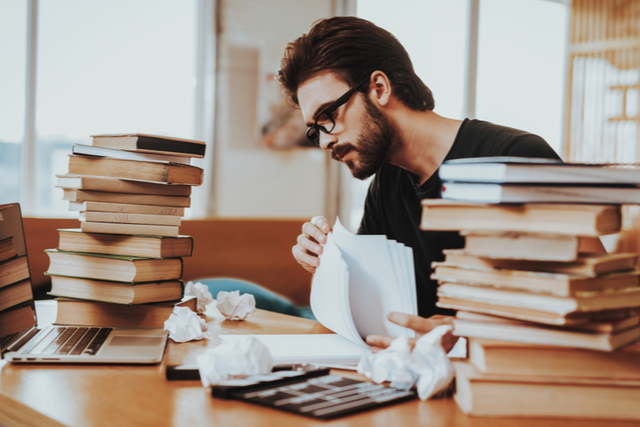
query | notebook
[65, 344]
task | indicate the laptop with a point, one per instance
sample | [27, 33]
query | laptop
[22, 342]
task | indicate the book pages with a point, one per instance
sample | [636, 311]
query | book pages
[376, 286]
[330, 294]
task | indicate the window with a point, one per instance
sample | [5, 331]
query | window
[101, 67]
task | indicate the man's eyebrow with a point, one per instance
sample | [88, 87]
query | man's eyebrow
[319, 110]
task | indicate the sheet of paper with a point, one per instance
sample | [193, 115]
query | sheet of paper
[308, 348]
[330, 294]
[374, 289]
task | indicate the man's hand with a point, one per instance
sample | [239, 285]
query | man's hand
[314, 233]
[419, 324]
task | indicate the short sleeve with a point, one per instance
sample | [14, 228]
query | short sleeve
[530, 145]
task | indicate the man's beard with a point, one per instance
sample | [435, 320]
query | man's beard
[373, 145]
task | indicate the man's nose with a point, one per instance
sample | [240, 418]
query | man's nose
[327, 140]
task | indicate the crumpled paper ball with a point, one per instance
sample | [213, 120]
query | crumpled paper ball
[234, 306]
[426, 366]
[185, 325]
[244, 357]
[202, 294]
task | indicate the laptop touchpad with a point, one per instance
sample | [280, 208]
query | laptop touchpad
[137, 341]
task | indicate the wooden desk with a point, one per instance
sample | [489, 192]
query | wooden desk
[73, 395]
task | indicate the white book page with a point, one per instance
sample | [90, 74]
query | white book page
[412, 280]
[373, 287]
[330, 294]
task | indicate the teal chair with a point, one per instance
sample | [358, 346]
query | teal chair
[265, 299]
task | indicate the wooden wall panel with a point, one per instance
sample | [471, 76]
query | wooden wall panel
[255, 250]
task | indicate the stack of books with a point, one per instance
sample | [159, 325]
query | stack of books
[123, 266]
[551, 328]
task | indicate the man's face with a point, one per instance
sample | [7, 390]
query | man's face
[362, 136]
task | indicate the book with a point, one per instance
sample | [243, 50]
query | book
[542, 396]
[118, 228]
[125, 208]
[115, 292]
[15, 294]
[524, 313]
[79, 196]
[117, 185]
[92, 313]
[609, 321]
[360, 279]
[587, 264]
[7, 250]
[14, 270]
[74, 240]
[511, 358]
[113, 267]
[116, 153]
[572, 219]
[523, 246]
[531, 333]
[19, 318]
[530, 193]
[610, 299]
[169, 173]
[534, 170]
[560, 284]
[152, 144]
[130, 218]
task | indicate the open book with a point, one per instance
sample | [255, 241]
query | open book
[360, 279]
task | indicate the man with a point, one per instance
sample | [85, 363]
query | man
[362, 100]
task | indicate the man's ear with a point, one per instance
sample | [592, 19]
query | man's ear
[380, 88]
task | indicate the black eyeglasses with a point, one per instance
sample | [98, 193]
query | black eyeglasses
[326, 115]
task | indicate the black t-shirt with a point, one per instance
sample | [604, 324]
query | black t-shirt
[393, 208]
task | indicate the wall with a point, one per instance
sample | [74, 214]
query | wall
[252, 181]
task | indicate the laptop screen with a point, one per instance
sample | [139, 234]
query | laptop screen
[17, 312]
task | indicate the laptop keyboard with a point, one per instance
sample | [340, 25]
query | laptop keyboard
[68, 340]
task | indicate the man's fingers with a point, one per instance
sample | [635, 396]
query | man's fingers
[417, 323]
[307, 244]
[380, 341]
[309, 262]
[317, 230]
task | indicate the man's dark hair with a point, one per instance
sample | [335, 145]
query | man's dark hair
[352, 48]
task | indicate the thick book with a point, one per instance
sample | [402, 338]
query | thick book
[524, 246]
[113, 267]
[530, 333]
[152, 144]
[19, 318]
[7, 250]
[74, 240]
[531, 193]
[130, 218]
[79, 196]
[559, 284]
[115, 292]
[527, 314]
[15, 294]
[14, 270]
[104, 314]
[117, 185]
[532, 170]
[587, 264]
[542, 396]
[169, 173]
[572, 219]
[118, 228]
[610, 299]
[116, 153]
[125, 208]
[511, 358]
